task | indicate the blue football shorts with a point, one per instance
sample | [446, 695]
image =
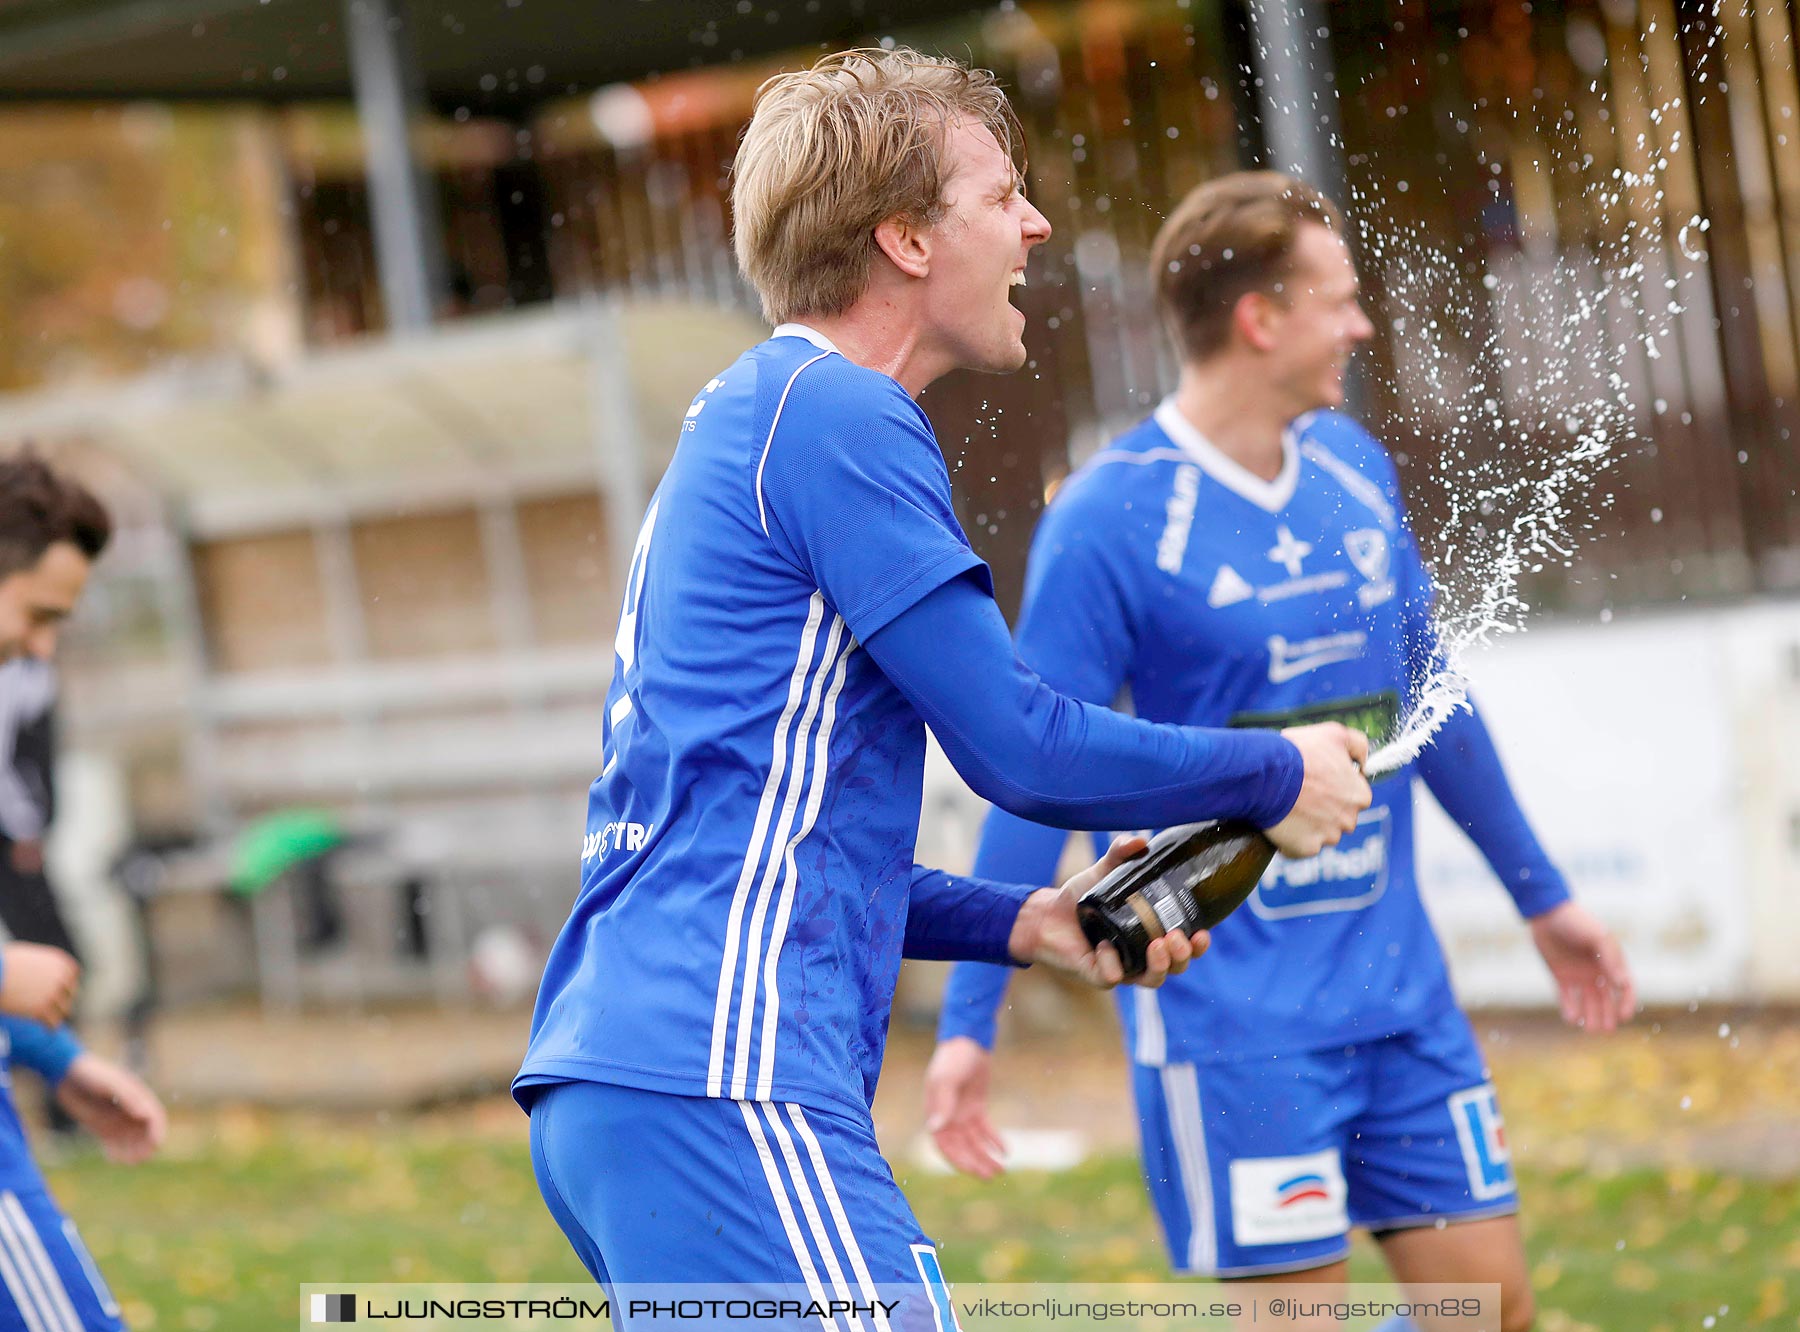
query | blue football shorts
[1262, 1164]
[48, 1283]
[666, 1197]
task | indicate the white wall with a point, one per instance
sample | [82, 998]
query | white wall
[1625, 744]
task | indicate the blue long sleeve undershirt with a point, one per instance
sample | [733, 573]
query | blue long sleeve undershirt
[1016, 848]
[35, 1046]
[1462, 769]
[1026, 748]
[962, 918]
[1051, 759]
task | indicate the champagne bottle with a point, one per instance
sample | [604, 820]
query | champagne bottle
[1190, 878]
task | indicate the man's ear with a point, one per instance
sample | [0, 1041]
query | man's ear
[906, 244]
[1254, 318]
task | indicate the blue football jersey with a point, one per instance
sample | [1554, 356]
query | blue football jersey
[1217, 598]
[745, 878]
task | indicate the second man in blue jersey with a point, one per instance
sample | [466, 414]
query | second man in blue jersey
[1243, 558]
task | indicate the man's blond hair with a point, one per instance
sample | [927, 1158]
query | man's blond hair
[833, 151]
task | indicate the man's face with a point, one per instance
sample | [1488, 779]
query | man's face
[1318, 322]
[34, 602]
[978, 249]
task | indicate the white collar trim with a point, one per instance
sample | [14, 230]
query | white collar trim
[1228, 472]
[812, 335]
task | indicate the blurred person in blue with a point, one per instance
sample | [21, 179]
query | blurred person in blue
[1243, 558]
[801, 603]
[51, 531]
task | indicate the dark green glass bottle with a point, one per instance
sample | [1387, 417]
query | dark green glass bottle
[1190, 878]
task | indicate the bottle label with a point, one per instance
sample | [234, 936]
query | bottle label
[1167, 903]
[1346, 877]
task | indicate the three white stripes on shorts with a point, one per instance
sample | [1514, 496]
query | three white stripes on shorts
[31, 1278]
[796, 1188]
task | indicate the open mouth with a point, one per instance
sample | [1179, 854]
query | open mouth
[1018, 278]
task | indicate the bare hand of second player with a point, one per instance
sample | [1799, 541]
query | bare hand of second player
[115, 1105]
[956, 1107]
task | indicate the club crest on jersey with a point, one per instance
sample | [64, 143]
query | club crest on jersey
[1482, 1135]
[1369, 551]
[1288, 1199]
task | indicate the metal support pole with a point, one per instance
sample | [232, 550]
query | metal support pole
[1297, 89]
[409, 241]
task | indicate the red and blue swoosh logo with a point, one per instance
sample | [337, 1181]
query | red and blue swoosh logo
[1301, 1188]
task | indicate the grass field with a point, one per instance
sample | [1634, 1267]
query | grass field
[247, 1206]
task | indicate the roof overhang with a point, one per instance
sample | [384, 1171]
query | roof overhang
[493, 56]
[523, 403]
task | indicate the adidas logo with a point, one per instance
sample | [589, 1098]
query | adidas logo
[1228, 588]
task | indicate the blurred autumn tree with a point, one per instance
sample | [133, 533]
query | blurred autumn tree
[129, 235]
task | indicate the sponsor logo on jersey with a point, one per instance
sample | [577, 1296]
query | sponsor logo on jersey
[1335, 864]
[1228, 588]
[1288, 1199]
[1299, 587]
[1369, 551]
[1288, 661]
[699, 404]
[613, 837]
[1171, 548]
[1345, 877]
[1482, 1135]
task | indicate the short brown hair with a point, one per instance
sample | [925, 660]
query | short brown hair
[1226, 239]
[39, 508]
[833, 151]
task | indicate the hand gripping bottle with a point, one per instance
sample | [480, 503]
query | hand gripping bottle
[1190, 878]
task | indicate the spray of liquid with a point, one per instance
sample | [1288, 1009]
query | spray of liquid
[1553, 354]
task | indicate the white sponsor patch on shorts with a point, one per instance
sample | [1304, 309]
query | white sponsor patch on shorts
[1482, 1135]
[1288, 1199]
